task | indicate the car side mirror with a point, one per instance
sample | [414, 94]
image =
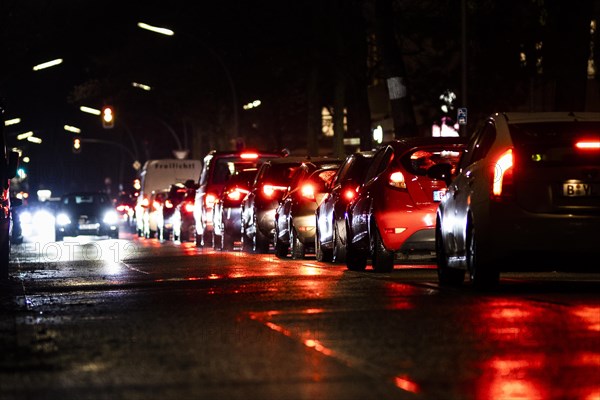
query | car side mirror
[441, 172]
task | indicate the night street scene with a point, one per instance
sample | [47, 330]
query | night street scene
[319, 199]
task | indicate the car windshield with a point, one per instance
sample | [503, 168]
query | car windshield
[280, 174]
[554, 143]
[227, 166]
[89, 199]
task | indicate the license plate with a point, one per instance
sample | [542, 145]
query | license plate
[579, 189]
[438, 195]
[88, 226]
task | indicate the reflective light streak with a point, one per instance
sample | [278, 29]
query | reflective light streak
[12, 121]
[156, 29]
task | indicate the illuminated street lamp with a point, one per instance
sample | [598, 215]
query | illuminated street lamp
[25, 135]
[90, 110]
[47, 64]
[34, 139]
[155, 29]
[73, 129]
[12, 121]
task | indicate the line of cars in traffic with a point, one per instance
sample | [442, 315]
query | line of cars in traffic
[521, 194]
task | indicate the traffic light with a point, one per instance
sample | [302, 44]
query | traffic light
[76, 145]
[108, 117]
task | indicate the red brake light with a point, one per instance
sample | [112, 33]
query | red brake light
[588, 145]
[249, 156]
[169, 204]
[269, 190]
[189, 207]
[145, 202]
[122, 207]
[209, 200]
[397, 180]
[234, 195]
[308, 191]
[155, 205]
[349, 194]
[503, 173]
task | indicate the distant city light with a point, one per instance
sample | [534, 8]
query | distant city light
[26, 159]
[48, 64]
[252, 104]
[378, 134]
[34, 139]
[12, 121]
[90, 110]
[157, 29]
[141, 86]
[44, 194]
[73, 129]
[24, 135]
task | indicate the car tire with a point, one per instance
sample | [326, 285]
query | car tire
[261, 243]
[321, 254]
[356, 260]
[339, 251]
[382, 258]
[297, 247]
[447, 276]
[58, 237]
[208, 238]
[483, 277]
[227, 241]
[281, 249]
[114, 234]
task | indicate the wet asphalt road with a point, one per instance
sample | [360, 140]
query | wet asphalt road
[139, 319]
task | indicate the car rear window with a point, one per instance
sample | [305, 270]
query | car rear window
[280, 174]
[554, 143]
[227, 166]
[419, 160]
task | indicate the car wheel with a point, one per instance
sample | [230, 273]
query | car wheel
[261, 243]
[114, 234]
[447, 276]
[356, 260]
[297, 247]
[58, 237]
[339, 251]
[382, 259]
[227, 241]
[321, 254]
[198, 240]
[482, 276]
[217, 242]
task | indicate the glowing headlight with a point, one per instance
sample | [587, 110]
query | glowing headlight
[111, 218]
[26, 217]
[63, 219]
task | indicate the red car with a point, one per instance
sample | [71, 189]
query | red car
[394, 210]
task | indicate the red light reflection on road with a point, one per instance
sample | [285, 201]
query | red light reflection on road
[540, 352]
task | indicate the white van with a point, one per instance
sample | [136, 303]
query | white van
[157, 176]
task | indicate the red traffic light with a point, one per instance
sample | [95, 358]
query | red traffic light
[76, 145]
[108, 117]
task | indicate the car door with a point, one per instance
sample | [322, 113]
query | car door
[359, 211]
[469, 184]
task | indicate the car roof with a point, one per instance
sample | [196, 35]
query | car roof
[298, 159]
[419, 141]
[235, 153]
[524, 117]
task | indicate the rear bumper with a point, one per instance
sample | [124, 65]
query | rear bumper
[409, 230]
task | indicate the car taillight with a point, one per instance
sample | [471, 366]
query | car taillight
[269, 190]
[397, 180]
[168, 204]
[189, 207]
[122, 208]
[588, 145]
[156, 205]
[209, 200]
[236, 194]
[503, 175]
[308, 191]
[145, 202]
[249, 156]
[349, 194]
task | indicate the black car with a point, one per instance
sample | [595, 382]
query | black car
[330, 241]
[295, 220]
[86, 213]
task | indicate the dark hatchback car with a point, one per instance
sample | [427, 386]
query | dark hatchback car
[295, 221]
[258, 207]
[227, 215]
[330, 239]
[86, 213]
